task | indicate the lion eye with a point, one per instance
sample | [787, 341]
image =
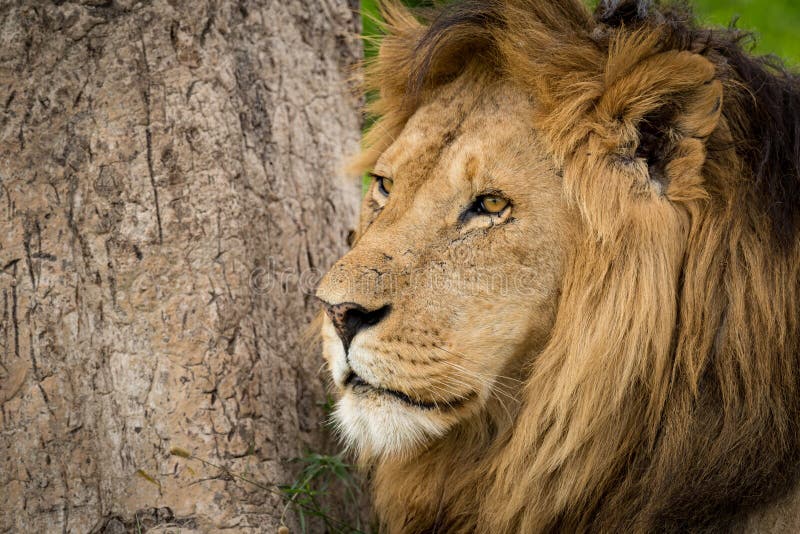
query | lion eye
[385, 185]
[492, 204]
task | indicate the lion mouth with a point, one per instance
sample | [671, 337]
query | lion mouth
[358, 385]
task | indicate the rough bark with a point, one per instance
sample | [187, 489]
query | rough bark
[168, 169]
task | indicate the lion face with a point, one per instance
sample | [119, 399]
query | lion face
[455, 276]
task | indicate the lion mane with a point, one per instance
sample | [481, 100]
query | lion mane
[667, 396]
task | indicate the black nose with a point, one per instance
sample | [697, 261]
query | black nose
[350, 318]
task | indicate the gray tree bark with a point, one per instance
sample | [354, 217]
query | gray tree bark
[168, 169]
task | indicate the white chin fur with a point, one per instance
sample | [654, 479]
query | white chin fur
[376, 427]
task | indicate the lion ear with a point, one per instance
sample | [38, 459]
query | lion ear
[659, 113]
[645, 136]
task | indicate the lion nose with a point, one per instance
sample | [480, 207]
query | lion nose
[350, 318]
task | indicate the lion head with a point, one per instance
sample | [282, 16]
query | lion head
[572, 302]
[454, 280]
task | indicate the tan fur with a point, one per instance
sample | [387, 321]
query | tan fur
[643, 377]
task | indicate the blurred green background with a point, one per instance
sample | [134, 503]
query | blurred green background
[775, 22]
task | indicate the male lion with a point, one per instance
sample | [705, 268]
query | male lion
[572, 302]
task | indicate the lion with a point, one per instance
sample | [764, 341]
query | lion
[571, 303]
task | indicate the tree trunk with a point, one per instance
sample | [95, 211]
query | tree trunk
[169, 190]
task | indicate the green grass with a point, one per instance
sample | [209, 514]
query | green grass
[775, 22]
[321, 475]
[305, 495]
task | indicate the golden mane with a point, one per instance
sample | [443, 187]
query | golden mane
[667, 397]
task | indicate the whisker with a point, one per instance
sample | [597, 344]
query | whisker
[463, 356]
[481, 377]
[497, 390]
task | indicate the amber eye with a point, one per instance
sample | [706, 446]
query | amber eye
[492, 204]
[384, 184]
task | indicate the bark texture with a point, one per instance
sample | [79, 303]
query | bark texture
[168, 187]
